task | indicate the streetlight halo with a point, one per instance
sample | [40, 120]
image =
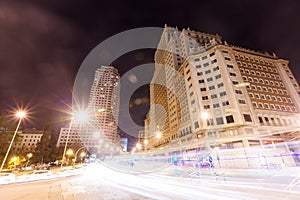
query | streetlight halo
[21, 114]
[81, 116]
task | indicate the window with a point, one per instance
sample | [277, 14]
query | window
[238, 92]
[226, 58]
[197, 59]
[202, 89]
[207, 71]
[241, 101]
[254, 104]
[219, 120]
[247, 118]
[232, 74]
[266, 119]
[225, 103]
[216, 68]
[230, 66]
[204, 57]
[223, 94]
[198, 66]
[210, 122]
[196, 124]
[220, 85]
[224, 51]
[201, 81]
[205, 64]
[205, 98]
[229, 119]
[212, 87]
[213, 96]
[259, 88]
[260, 120]
[213, 61]
[216, 105]
[199, 73]
[210, 79]
[206, 107]
[212, 54]
[218, 76]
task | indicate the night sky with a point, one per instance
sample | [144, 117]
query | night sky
[43, 43]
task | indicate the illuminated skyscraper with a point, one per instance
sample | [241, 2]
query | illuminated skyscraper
[219, 96]
[100, 131]
[104, 103]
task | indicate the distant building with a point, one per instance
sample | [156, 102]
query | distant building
[104, 103]
[27, 140]
[101, 130]
[74, 138]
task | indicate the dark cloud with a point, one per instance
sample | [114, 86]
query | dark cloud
[42, 43]
[37, 58]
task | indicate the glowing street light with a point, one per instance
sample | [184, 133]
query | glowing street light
[20, 114]
[146, 142]
[29, 155]
[82, 154]
[158, 135]
[138, 146]
[70, 152]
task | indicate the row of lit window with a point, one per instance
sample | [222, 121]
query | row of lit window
[273, 120]
[269, 89]
[270, 98]
[216, 105]
[262, 74]
[27, 144]
[273, 107]
[254, 66]
[32, 136]
[254, 60]
[262, 81]
[229, 119]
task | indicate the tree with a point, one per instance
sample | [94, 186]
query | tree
[46, 150]
[42, 150]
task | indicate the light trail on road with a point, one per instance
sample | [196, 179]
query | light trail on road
[99, 182]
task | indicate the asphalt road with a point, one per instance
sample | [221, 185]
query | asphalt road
[98, 182]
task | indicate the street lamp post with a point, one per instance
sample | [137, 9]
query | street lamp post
[20, 115]
[77, 152]
[66, 144]
[80, 116]
[70, 152]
